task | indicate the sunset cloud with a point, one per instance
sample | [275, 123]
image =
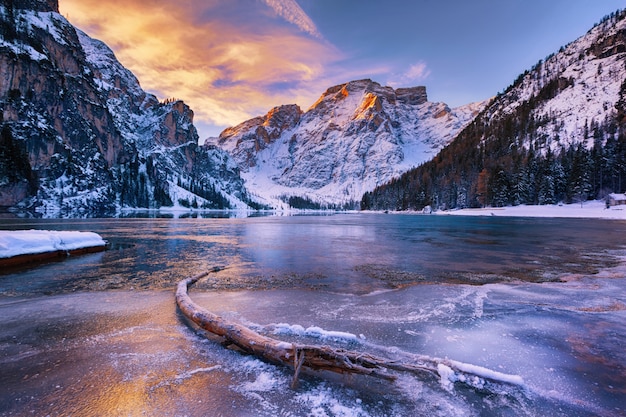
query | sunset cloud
[231, 60]
[227, 66]
[293, 13]
[417, 72]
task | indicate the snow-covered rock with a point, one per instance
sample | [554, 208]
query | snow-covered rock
[556, 134]
[356, 136]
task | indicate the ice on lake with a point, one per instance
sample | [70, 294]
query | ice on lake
[100, 334]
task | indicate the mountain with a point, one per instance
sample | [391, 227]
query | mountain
[79, 134]
[557, 134]
[356, 136]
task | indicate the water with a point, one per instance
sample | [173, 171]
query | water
[100, 334]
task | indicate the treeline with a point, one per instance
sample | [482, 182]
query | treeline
[206, 190]
[505, 161]
[305, 203]
[14, 164]
[140, 187]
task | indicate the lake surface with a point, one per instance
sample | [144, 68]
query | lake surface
[539, 299]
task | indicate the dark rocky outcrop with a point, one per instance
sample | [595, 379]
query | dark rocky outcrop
[94, 140]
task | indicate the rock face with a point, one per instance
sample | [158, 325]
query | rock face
[356, 136]
[90, 138]
[34, 5]
[257, 134]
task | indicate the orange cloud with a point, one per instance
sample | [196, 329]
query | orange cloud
[228, 66]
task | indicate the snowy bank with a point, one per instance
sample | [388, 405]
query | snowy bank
[25, 245]
[589, 209]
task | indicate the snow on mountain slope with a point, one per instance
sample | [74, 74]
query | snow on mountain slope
[574, 89]
[79, 134]
[356, 136]
[557, 134]
[124, 96]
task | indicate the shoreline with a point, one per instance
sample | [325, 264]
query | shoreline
[588, 210]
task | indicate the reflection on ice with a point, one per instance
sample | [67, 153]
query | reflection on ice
[139, 362]
[100, 335]
[531, 336]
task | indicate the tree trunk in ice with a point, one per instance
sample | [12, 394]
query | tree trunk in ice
[317, 357]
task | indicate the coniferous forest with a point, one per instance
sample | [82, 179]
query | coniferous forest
[506, 158]
[502, 171]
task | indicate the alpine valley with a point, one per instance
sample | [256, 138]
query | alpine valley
[356, 136]
[79, 135]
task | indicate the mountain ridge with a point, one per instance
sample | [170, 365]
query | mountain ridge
[556, 134]
[86, 137]
[355, 136]
[79, 134]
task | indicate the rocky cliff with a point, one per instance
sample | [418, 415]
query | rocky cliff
[249, 138]
[356, 136]
[84, 134]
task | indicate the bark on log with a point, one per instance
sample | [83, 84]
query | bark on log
[317, 357]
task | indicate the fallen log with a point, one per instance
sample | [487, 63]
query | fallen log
[322, 358]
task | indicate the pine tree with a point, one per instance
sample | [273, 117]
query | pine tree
[482, 189]
[579, 184]
[14, 163]
[500, 189]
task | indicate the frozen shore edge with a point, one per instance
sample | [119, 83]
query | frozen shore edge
[25, 246]
[588, 210]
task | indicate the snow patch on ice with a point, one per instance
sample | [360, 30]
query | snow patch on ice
[25, 242]
[313, 331]
[264, 382]
[323, 403]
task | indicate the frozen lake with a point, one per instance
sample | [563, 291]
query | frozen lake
[100, 334]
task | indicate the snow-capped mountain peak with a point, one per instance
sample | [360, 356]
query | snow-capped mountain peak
[355, 136]
[573, 89]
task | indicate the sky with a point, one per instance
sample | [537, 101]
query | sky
[231, 60]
